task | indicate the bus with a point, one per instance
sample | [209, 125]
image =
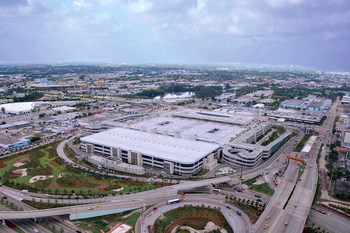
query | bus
[177, 200]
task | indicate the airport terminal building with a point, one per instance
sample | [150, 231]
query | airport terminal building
[170, 154]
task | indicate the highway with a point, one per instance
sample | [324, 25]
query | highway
[27, 225]
[57, 222]
[289, 207]
[238, 223]
[329, 220]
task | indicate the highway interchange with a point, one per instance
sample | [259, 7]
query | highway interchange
[287, 210]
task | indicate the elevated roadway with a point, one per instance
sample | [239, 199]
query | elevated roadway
[238, 223]
[289, 207]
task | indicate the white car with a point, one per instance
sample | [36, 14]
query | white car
[36, 230]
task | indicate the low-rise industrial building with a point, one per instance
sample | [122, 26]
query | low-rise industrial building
[13, 143]
[172, 155]
[293, 103]
[17, 108]
[346, 140]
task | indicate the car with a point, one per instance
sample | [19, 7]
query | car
[35, 230]
[266, 226]
[91, 208]
[239, 213]
[228, 207]
[256, 195]
[77, 231]
[295, 205]
[286, 223]
[4, 197]
[258, 200]
[267, 217]
[155, 208]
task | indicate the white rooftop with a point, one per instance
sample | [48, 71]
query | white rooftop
[121, 228]
[18, 107]
[347, 138]
[309, 143]
[155, 145]
[192, 129]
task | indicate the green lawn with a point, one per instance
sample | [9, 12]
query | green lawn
[131, 220]
[250, 182]
[264, 188]
[73, 180]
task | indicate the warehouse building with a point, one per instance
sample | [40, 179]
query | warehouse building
[171, 154]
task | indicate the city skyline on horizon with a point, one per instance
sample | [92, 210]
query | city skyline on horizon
[312, 34]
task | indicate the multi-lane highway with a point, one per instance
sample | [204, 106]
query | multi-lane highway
[290, 205]
[328, 220]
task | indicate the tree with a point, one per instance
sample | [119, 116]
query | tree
[35, 138]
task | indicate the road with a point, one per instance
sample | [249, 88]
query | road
[27, 225]
[329, 220]
[238, 223]
[57, 222]
[290, 205]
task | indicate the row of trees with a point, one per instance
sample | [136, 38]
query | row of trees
[200, 91]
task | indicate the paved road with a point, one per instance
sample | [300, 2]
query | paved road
[57, 222]
[292, 215]
[238, 223]
[329, 220]
[26, 225]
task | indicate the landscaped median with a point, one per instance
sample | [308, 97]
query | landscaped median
[191, 216]
[258, 184]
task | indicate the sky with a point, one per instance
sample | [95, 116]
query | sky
[314, 34]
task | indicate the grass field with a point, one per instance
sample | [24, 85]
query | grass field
[105, 223]
[264, 188]
[195, 217]
[251, 181]
[63, 179]
[131, 220]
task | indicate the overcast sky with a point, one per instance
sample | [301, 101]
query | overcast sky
[308, 33]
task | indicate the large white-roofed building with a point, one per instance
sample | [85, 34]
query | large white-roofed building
[17, 108]
[173, 155]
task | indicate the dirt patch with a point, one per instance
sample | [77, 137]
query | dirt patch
[14, 175]
[54, 164]
[55, 185]
[2, 165]
[102, 186]
[43, 183]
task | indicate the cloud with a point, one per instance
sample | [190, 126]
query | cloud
[234, 30]
[139, 6]
[282, 3]
[82, 4]
[191, 30]
[13, 3]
